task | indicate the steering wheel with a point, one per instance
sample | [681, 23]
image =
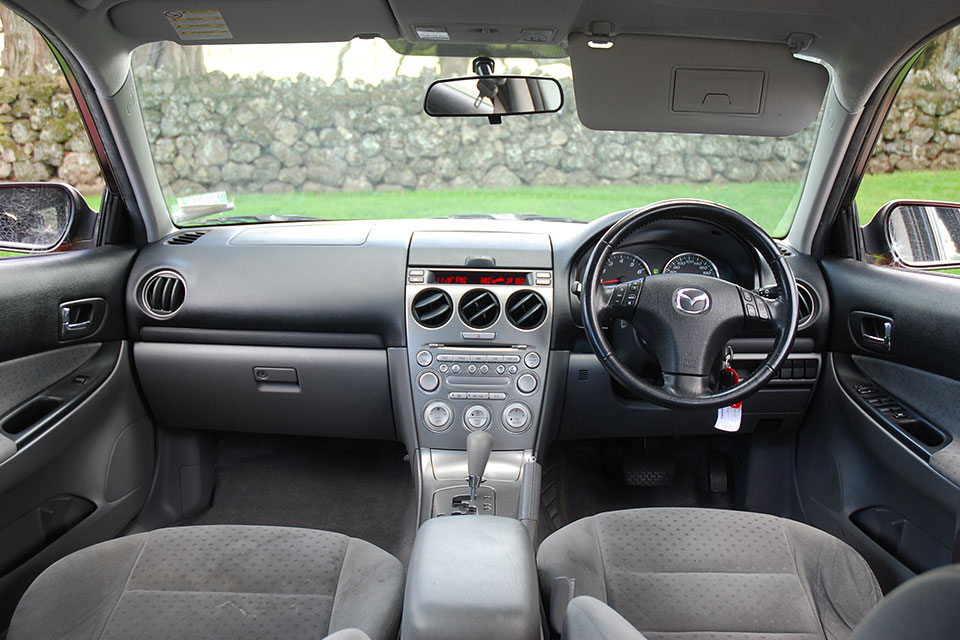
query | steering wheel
[686, 320]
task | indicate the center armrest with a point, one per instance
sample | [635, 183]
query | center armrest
[473, 578]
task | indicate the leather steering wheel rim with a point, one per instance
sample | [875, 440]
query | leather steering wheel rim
[686, 391]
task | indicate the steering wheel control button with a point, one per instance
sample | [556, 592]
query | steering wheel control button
[428, 381]
[527, 383]
[532, 360]
[762, 310]
[476, 417]
[437, 415]
[424, 358]
[516, 417]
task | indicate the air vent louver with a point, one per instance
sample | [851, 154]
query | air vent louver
[526, 310]
[432, 308]
[785, 250]
[162, 294]
[808, 305]
[479, 308]
[187, 237]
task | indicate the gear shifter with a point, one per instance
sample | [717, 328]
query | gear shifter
[479, 445]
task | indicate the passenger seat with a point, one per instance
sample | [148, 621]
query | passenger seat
[216, 582]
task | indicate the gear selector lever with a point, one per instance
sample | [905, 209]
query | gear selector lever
[479, 445]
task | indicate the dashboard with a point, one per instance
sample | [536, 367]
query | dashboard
[422, 330]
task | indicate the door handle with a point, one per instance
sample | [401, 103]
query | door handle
[80, 318]
[872, 331]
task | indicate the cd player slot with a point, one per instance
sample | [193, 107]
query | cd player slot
[478, 382]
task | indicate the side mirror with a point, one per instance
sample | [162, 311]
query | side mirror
[492, 96]
[916, 234]
[37, 216]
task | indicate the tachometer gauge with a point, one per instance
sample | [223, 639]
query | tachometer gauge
[621, 267]
[692, 263]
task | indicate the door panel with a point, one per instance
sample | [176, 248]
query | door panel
[875, 454]
[79, 444]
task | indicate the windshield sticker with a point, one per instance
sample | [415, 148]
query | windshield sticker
[199, 24]
[202, 204]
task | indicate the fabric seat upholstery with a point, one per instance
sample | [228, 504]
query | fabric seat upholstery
[213, 582]
[700, 574]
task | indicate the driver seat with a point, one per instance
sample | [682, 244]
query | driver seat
[698, 574]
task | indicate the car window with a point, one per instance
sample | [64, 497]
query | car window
[243, 133]
[917, 156]
[42, 136]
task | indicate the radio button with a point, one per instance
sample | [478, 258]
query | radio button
[445, 357]
[501, 369]
[512, 369]
[443, 368]
[511, 358]
[455, 368]
[472, 368]
[532, 360]
[424, 358]
[484, 368]
[498, 396]
[428, 381]
[457, 395]
[477, 395]
[527, 383]
[477, 417]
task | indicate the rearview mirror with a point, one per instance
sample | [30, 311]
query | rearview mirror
[36, 217]
[918, 234]
[493, 96]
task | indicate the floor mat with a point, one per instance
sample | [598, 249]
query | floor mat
[584, 479]
[362, 489]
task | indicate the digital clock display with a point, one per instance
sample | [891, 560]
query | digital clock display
[492, 278]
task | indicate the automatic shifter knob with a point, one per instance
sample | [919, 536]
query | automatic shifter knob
[479, 445]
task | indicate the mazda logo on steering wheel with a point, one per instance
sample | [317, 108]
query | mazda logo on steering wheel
[692, 301]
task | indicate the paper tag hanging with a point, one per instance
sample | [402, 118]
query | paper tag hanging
[728, 418]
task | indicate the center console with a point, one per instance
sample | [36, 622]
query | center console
[479, 318]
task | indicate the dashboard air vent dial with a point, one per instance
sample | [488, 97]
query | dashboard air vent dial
[432, 308]
[479, 308]
[808, 305]
[526, 310]
[162, 294]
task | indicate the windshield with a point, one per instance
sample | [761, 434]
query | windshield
[248, 133]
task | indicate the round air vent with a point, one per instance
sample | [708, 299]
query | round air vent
[808, 305]
[526, 310]
[432, 308]
[162, 294]
[479, 308]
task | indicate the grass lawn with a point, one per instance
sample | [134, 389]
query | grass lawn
[764, 202]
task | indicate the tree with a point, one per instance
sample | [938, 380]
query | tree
[24, 49]
[176, 60]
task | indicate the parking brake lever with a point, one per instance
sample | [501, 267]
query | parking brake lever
[479, 446]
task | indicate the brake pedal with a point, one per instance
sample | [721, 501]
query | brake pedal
[648, 471]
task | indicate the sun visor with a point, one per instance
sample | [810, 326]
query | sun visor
[693, 85]
[252, 21]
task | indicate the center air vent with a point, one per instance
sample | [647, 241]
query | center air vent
[526, 310]
[187, 237]
[162, 294]
[432, 308]
[808, 305]
[479, 308]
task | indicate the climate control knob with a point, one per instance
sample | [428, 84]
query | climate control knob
[437, 415]
[527, 383]
[516, 417]
[428, 381]
[476, 418]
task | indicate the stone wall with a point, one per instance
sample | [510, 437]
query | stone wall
[922, 131]
[41, 134]
[263, 135]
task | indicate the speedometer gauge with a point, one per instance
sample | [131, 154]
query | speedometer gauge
[692, 263]
[621, 267]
